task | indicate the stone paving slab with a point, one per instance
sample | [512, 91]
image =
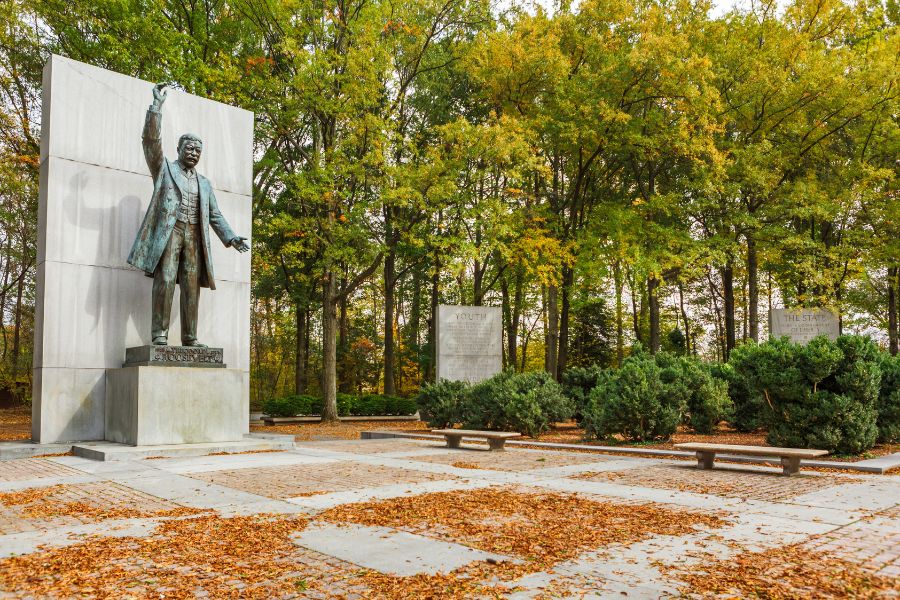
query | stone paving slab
[388, 550]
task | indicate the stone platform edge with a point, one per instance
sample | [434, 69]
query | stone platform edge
[878, 466]
[107, 451]
[12, 450]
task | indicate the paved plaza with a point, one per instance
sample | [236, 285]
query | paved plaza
[411, 519]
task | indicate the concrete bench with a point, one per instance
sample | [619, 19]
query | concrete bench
[495, 439]
[790, 457]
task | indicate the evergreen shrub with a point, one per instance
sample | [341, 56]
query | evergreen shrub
[347, 404]
[290, 406]
[440, 404]
[821, 395]
[889, 400]
[689, 384]
[577, 383]
[634, 402]
[525, 402]
[747, 403]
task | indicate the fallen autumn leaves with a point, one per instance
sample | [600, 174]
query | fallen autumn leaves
[785, 573]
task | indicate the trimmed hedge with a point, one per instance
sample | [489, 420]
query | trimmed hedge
[577, 383]
[633, 401]
[889, 400]
[348, 405]
[650, 395]
[525, 402]
[821, 395]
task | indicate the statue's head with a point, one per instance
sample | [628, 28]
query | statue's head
[189, 148]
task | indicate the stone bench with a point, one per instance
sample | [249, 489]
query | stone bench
[790, 457]
[495, 439]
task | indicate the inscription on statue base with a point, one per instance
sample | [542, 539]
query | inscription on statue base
[174, 356]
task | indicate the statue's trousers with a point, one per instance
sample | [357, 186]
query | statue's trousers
[179, 263]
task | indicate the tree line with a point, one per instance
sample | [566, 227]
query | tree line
[618, 172]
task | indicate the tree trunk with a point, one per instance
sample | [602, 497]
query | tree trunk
[345, 381]
[892, 281]
[552, 339]
[389, 264]
[301, 356]
[727, 274]
[415, 321]
[513, 336]
[17, 329]
[620, 325]
[653, 302]
[687, 324]
[752, 289]
[506, 312]
[477, 281]
[720, 338]
[563, 357]
[432, 323]
[329, 348]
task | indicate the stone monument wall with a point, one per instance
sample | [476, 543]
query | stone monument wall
[469, 343]
[95, 188]
[803, 324]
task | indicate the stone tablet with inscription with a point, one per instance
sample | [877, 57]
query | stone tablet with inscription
[803, 324]
[469, 343]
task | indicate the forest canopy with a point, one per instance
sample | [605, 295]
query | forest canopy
[611, 173]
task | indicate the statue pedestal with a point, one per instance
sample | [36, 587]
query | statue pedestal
[156, 398]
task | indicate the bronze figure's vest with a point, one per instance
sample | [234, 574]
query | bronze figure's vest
[189, 209]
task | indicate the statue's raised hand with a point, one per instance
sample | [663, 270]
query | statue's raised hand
[159, 94]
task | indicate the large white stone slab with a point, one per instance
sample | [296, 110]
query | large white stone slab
[97, 117]
[95, 188]
[148, 406]
[76, 411]
[469, 343]
[803, 324]
[388, 550]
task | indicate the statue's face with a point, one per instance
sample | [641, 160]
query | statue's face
[189, 153]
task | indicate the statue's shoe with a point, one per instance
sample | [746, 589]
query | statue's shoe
[194, 344]
[160, 341]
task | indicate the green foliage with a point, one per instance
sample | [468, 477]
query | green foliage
[593, 341]
[633, 401]
[577, 383]
[689, 383]
[889, 400]
[821, 395]
[651, 396]
[291, 406]
[747, 404]
[348, 405]
[525, 402]
[440, 404]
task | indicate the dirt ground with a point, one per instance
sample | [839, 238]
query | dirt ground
[15, 423]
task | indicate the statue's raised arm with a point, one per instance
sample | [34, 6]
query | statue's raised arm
[153, 150]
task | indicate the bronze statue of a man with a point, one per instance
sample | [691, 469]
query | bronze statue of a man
[172, 245]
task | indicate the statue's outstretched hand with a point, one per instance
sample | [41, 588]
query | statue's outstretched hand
[159, 94]
[239, 244]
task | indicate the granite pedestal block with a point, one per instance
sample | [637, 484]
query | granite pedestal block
[151, 405]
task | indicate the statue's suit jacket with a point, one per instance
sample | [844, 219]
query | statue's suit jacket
[168, 184]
